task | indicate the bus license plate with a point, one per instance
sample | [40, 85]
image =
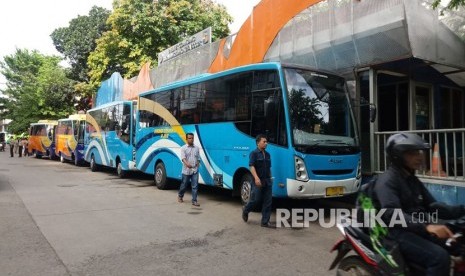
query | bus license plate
[335, 191]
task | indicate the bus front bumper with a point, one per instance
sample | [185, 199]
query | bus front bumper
[322, 188]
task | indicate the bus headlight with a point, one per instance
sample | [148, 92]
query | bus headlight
[300, 170]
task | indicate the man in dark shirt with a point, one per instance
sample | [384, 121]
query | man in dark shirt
[260, 167]
[399, 188]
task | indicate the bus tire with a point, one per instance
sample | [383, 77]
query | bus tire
[246, 188]
[160, 176]
[93, 165]
[119, 170]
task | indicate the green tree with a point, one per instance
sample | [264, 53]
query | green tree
[140, 29]
[37, 88]
[77, 40]
[455, 20]
[453, 4]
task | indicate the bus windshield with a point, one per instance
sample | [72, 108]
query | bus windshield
[319, 109]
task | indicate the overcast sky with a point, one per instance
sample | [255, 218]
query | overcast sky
[29, 23]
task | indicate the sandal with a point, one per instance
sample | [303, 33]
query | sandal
[180, 199]
[195, 203]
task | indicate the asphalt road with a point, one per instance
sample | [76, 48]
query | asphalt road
[58, 219]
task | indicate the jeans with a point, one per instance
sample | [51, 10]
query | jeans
[420, 251]
[261, 194]
[194, 180]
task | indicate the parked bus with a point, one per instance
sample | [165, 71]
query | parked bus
[109, 136]
[41, 140]
[305, 114]
[69, 139]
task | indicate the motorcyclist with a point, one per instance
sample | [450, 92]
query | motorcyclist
[399, 188]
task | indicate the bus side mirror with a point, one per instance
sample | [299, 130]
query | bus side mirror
[372, 113]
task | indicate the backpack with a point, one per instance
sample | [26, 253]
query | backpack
[366, 198]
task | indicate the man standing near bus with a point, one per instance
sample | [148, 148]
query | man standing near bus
[19, 144]
[11, 142]
[190, 158]
[260, 167]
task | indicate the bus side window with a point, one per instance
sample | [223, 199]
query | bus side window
[50, 134]
[125, 126]
[126, 122]
[76, 129]
[267, 108]
[124, 132]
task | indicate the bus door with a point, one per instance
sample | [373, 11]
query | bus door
[265, 112]
[51, 134]
[119, 142]
[78, 132]
[126, 134]
[268, 119]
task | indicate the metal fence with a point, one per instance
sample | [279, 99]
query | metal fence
[445, 159]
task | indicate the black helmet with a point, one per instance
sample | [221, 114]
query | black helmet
[399, 143]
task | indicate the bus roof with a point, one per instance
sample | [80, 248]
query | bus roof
[45, 122]
[202, 77]
[111, 104]
[78, 117]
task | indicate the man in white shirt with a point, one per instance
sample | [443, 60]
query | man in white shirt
[190, 169]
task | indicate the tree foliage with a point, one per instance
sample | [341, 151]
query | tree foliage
[453, 4]
[77, 40]
[455, 20]
[37, 88]
[140, 29]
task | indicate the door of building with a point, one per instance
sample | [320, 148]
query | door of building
[422, 111]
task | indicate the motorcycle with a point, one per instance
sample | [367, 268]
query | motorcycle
[375, 255]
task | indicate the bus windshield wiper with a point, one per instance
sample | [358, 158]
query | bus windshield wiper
[329, 141]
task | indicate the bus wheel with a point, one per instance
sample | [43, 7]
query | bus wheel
[93, 165]
[160, 176]
[119, 170]
[246, 188]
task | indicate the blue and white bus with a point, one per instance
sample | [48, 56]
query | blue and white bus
[305, 114]
[109, 136]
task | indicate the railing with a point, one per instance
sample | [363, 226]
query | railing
[445, 159]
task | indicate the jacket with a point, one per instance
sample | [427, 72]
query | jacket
[398, 189]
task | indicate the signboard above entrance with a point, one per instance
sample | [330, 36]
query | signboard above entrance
[192, 42]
